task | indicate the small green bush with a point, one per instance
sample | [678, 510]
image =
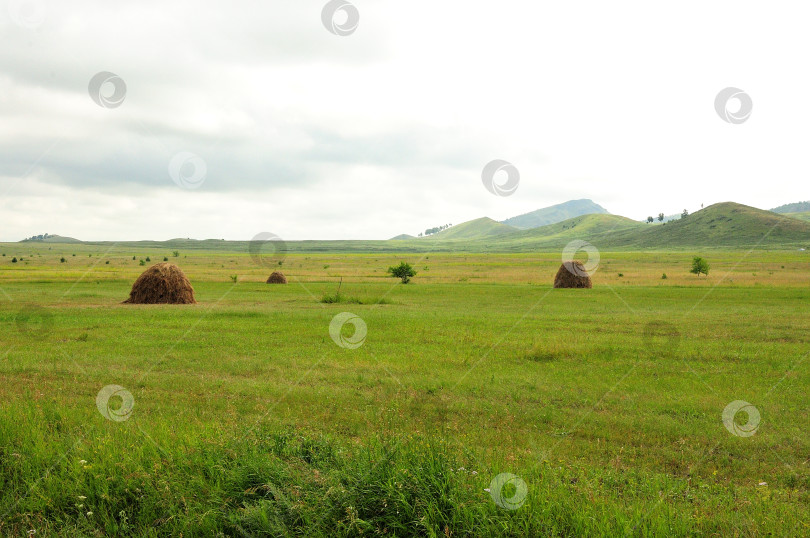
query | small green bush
[402, 271]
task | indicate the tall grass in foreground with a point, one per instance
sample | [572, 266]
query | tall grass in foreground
[60, 479]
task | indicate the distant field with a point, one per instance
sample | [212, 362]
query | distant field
[249, 419]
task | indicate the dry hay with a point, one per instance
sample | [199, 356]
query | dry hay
[572, 274]
[163, 283]
[277, 278]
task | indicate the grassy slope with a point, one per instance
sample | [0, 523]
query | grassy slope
[481, 228]
[554, 214]
[722, 225]
[795, 207]
[805, 215]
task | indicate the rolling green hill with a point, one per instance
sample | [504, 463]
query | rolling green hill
[401, 237]
[804, 215]
[51, 239]
[595, 228]
[554, 214]
[797, 207]
[721, 226]
[726, 224]
[481, 228]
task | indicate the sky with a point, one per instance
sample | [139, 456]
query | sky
[155, 120]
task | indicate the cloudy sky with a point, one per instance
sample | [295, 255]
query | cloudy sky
[273, 116]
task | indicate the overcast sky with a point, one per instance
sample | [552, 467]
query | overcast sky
[255, 117]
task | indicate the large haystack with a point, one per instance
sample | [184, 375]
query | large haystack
[276, 278]
[572, 274]
[163, 283]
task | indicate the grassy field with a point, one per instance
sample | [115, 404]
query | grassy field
[248, 419]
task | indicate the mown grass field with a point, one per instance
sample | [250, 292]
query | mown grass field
[249, 420]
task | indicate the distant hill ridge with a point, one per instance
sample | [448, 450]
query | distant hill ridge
[722, 225]
[474, 229]
[797, 207]
[46, 238]
[555, 213]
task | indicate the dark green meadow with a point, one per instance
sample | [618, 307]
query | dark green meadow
[248, 419]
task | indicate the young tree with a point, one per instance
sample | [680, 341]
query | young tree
[684, 214]
[650, 219]
[699, 265]
[660, 217]
[403, 271]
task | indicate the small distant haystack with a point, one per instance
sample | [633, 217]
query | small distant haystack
[277, 278]
[163, 283]
[572, 274]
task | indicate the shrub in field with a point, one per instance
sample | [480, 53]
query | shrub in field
[699, 265]
[403, 271]
[14, 260]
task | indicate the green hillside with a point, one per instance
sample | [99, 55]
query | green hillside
[804, 215]
[554, 214]
[481, 228]
[723, 226]
[726, 224]
[797, 207]
[596, 228]
[50, 239]
[402, 237]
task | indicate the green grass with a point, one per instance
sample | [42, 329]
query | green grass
[249, 420]
[803, 215]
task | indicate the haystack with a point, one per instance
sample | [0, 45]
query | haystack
[572, 274]
[163, 283]
[277, 278]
